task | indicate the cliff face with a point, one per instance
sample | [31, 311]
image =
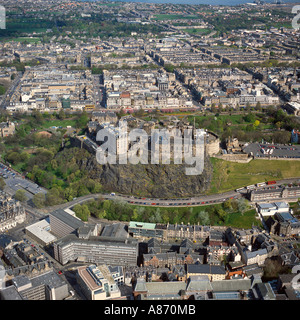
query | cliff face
[158, 181]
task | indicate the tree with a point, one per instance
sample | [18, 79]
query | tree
[82, 212]
[228, 205]
[203, 216]
[39, 200]
[61, 114]
[256, 124]
[258, 106]
[278, 124]
[169, 68]
[13, 157]
[2, 90]
[249, 118]
[53, 197]
[213, 108]
[82, 120]
[242, 205]
[222, 214]
[37, 116]
[21, 195]
[248, 107]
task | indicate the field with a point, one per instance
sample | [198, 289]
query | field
[243, 220]
[27, 39]
[230, 175]
[202, 31]
[59, 123]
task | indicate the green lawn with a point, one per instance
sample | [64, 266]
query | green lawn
[230, 175]
[59, 123]
[197, 30]
[243, 220]
[27, 39]
[234, 119]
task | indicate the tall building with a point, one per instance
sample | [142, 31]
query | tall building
[100, 250]
[11, 212]
[62, 223]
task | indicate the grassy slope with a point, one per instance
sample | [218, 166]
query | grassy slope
[230, 175]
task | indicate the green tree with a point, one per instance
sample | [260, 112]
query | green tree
[221, 214]
[227, 205]
[39, 200]
[21, 195]
[258, 106]
[169, 68]
[2, 184]
[82, 120]
[243, 205]
[13, 157]
[61, 114]
[203, 216]
[82, 211]
[37, 116]
[2, 90]
[53, 197]
[213, 108]
[24, 156]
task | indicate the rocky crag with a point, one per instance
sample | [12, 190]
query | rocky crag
[157, 181]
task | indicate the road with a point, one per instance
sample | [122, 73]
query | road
[15, 182]
[98, 90]
[11, 90]
[192, 201]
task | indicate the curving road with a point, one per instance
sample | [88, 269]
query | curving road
[183, 202]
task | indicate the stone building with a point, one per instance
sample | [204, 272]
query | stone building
[7, 129]
[11, 212]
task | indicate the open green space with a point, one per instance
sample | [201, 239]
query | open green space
[202, 31]
[25, 39]
[252, 124]
[243, 220]
[230, 175]
[58, 123]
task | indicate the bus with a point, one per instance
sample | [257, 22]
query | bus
[261, 184]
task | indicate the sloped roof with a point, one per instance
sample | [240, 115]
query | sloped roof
[231, 285]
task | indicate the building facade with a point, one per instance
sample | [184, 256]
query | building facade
[100, 250]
